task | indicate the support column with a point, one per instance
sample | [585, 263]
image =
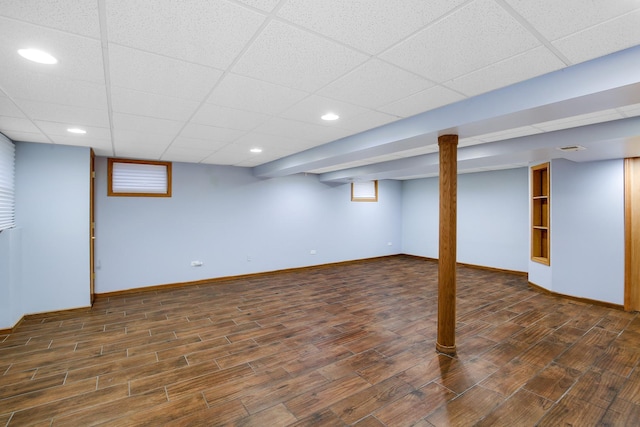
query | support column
[446, 341]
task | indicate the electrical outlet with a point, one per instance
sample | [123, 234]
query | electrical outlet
[389, 244]
[196, 263]
[312, 252]
[248, 258]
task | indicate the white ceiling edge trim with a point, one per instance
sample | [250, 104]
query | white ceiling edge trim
[509, 151]
[521, 104]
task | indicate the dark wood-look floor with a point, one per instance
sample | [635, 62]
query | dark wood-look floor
[351, 344]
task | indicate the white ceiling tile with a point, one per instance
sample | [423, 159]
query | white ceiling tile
[150, 125]
[426, 100]
[295, 58]
[197, 144]
[148, 72]
[19, 135]
[79, 58]
[273, 142]
[261, 158]
[228, 155]
[371, 25]
[375, 83]
[100, 146]
[74, 16]
[204, 32]
[214, 115]
[244, 93]
[54, 90]
[139, 151]
[151, 105]
[123, 138]
[134, 134]
[64, 114]
[471, 38]
[312, 108]
[610, 36]
[555, 19]
[266, 5]
[193, 130]
[17, 124]
[60, 129]
[181, 154]
[250, 141]
[9, 109]
[299, 130]
[518, 68]
[272, 149]
[255, 161]
[166, 59]
[368, 120]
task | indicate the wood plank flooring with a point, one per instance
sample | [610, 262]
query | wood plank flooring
[351, 344]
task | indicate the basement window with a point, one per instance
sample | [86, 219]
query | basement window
[139, 178]
[366, 191]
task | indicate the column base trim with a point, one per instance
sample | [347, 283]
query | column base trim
[449, 350]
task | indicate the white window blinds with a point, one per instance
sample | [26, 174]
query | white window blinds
[366, 191]
[7, 183]
[130, 177]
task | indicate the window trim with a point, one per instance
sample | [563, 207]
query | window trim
[112, 193]
[355, 198]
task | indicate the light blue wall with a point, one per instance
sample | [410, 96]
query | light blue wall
[420, 213]
[52, 210]
[587, 229]
[492, 218]
[493, 226]
[223, 216]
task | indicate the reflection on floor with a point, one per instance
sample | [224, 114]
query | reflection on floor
[350, 344]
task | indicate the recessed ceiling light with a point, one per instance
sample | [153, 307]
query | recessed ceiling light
[38, 56]
[330, 116]
[256, 150]
[77, 130]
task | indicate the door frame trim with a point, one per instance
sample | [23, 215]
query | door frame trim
[631, 168]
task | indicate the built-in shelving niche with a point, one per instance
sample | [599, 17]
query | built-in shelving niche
[540, 204]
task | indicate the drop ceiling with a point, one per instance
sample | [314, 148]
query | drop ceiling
[205, 81]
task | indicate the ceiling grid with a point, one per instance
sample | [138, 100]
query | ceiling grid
[206, 81]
